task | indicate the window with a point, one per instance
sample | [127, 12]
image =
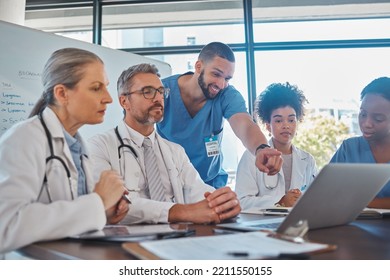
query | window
[75, 23]
[356, 29]
[331, 79]
[180, 23]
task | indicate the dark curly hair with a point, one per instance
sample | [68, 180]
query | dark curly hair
[279, 95]
[380, 86]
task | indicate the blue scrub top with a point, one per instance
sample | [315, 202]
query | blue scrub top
[357, 150]
[190, 132]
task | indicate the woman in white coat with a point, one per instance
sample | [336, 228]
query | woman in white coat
[279, 107]
[46, 189]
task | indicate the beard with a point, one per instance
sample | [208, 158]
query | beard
[153, 117]
[204, 87]
[149, 117]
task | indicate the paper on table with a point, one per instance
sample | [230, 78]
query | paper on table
[249, 245]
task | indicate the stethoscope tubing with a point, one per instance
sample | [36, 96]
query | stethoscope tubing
[53, 157]
[136, 157]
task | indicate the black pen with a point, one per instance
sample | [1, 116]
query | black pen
[238, 254]
[247, 255]
[176, 234]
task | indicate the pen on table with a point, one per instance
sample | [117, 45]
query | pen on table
[252, 256]
[176, 234]
[238, 254]
[281, 256]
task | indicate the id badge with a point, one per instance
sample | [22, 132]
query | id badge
[212, 147]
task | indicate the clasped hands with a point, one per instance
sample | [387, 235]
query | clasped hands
[222, 204]
[217, 206]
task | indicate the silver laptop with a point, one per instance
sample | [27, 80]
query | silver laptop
[336, 197]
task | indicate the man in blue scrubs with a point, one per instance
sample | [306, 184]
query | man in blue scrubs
[195, 111]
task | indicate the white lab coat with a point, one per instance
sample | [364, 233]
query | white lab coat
[187, 186]
[250, 186]
[23, 218]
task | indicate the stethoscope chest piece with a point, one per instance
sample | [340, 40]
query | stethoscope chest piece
[271, 182]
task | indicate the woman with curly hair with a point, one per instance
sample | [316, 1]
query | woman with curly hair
[280, 107]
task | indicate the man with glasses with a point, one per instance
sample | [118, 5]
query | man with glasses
[162, 183]
[195, 112]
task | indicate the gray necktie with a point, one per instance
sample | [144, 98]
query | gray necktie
[156, 189]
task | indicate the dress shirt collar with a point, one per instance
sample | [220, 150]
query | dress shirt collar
[137, 138]
[75, 144]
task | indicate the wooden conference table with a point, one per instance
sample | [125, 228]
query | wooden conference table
[362, 239]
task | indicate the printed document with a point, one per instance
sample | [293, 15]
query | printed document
[248, 245]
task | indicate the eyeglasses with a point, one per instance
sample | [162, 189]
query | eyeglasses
[150, 92]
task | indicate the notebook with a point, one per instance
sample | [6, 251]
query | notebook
[336, 197]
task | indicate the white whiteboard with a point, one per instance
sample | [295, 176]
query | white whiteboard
[23, 54]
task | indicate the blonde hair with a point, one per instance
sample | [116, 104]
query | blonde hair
[65, 66]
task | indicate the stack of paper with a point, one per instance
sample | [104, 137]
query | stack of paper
[249, 245]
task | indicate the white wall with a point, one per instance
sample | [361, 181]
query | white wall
[13, 11]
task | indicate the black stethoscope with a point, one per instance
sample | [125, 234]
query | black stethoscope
[122, 145]
[53, 157]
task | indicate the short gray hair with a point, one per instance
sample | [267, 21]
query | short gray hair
[126, 78]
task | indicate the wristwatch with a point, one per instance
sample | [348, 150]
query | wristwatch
[262, 146]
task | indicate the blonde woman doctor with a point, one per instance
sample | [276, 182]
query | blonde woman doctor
[46, 186]
[280, 107]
